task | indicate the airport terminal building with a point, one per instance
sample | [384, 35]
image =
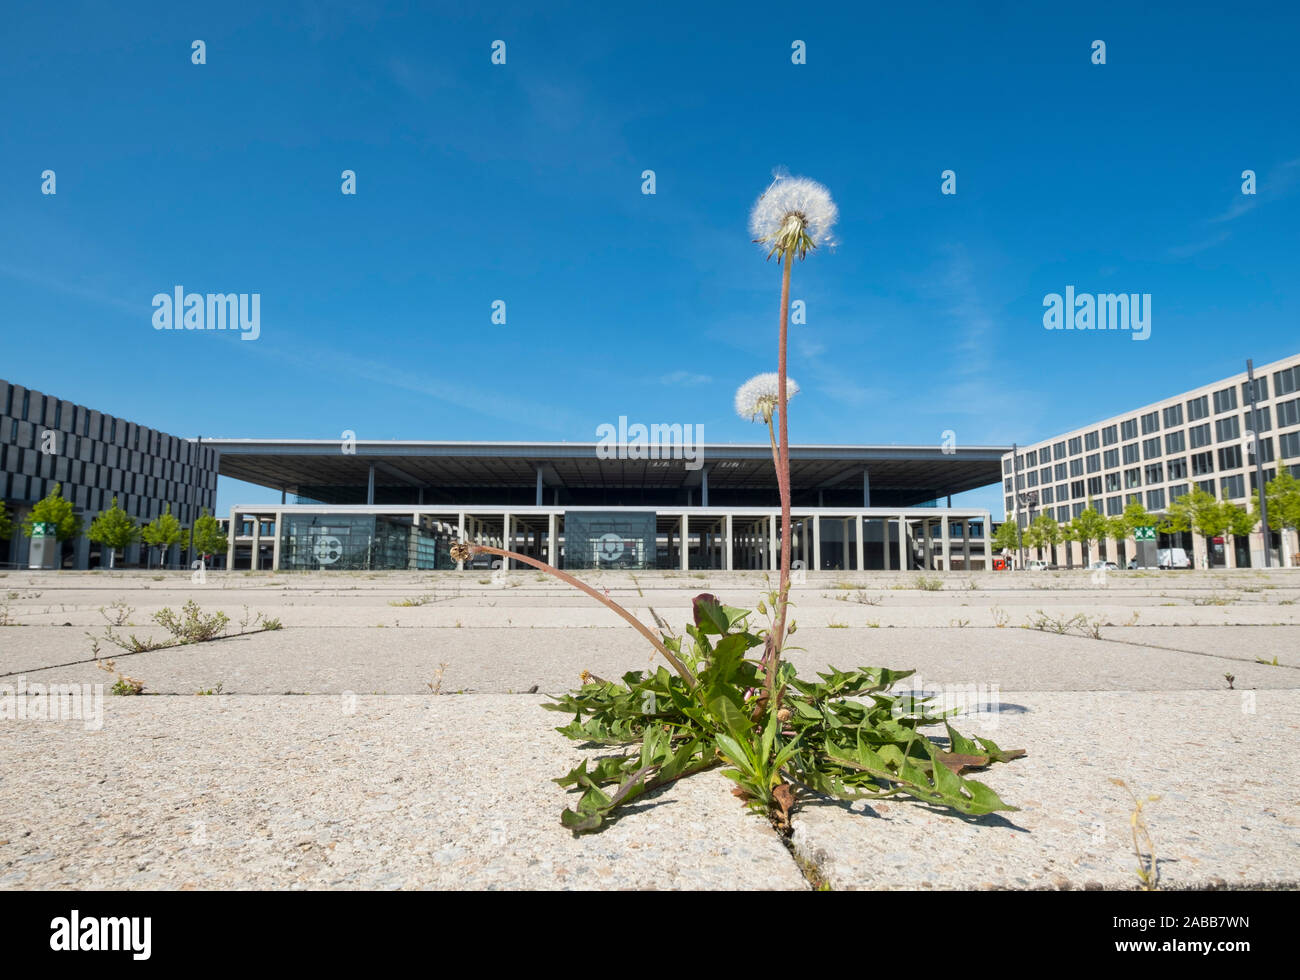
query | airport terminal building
[391, 505]
[578, 506]
[1212, 437]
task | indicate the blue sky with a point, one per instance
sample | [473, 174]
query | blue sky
[522, 182]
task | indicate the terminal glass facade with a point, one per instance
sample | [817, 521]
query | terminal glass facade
[609, 539]
[322, 542]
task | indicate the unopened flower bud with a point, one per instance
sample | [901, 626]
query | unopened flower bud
[783, 715]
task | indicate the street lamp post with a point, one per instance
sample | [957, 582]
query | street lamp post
[1029, 500]
[1259, 467]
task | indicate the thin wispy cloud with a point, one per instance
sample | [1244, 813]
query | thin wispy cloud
[1240, 207]
[828, 378]
[65, 288]
[685, 379]
[1275, 184]
[1192, 248]
[489, 402]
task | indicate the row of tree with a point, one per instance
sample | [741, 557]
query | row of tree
[115, 529]
[1198, 512]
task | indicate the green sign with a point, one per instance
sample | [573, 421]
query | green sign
[1144, 533]
[40, 529]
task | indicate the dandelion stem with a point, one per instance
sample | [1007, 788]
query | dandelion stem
[568, 579]
[783, 487]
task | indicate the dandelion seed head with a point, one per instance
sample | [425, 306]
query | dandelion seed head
[757, 397]
[794, 214]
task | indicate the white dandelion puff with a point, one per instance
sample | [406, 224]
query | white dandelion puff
[757, 397]
[794, 215]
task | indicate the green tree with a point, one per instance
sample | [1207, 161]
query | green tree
[1283, 494]
[1069, 535]
[54, 510]
[1124, 526]
[113, 528]
[1117, 531]
[1089, 526]
[1177, 518]
[6, 523]
[209, 539]
[1135, 516]
[1240, 522]
[1198, 512]
[1048, 532]
[1033, 541]
[163, 532]
[1007, 537]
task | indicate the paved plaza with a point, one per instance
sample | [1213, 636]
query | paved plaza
[390, 734]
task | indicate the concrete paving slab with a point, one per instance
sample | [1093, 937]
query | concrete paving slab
[405, 660]
[400, 785]
[499, 660]
[292, 792]
[1238, 642]
[1220, 761]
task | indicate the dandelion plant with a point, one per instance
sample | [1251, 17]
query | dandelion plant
[779, 737]
[789, 219]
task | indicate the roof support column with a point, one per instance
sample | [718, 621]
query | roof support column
[230, 540]
[704, 487]
[370, 487]
[816, 542]
[279, 536]
[686, 543]
[729, 556]
[945, 533]
[988, 542]
[460, 536]
[773, 545]
[844, 544]
[965, 544]
[866, 487]
[507, 540]
[902, 543]
[539, 486]
[861, 545]
[552, 542]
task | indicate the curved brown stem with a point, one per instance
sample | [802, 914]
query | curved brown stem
[783, 485]
[678, 665]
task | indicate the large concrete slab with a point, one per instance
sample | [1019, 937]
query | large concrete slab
[314, 660]
[1247, 643]
[1221, 763]
[295, 792]
[418, 790]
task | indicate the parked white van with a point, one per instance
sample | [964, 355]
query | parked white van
[1172, 558]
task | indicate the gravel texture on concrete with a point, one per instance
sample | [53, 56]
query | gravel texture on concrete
[1219, 761]
[326, 792]
[319, 660]
[330, 762]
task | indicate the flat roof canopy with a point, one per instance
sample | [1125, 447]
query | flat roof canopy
[311, 467]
